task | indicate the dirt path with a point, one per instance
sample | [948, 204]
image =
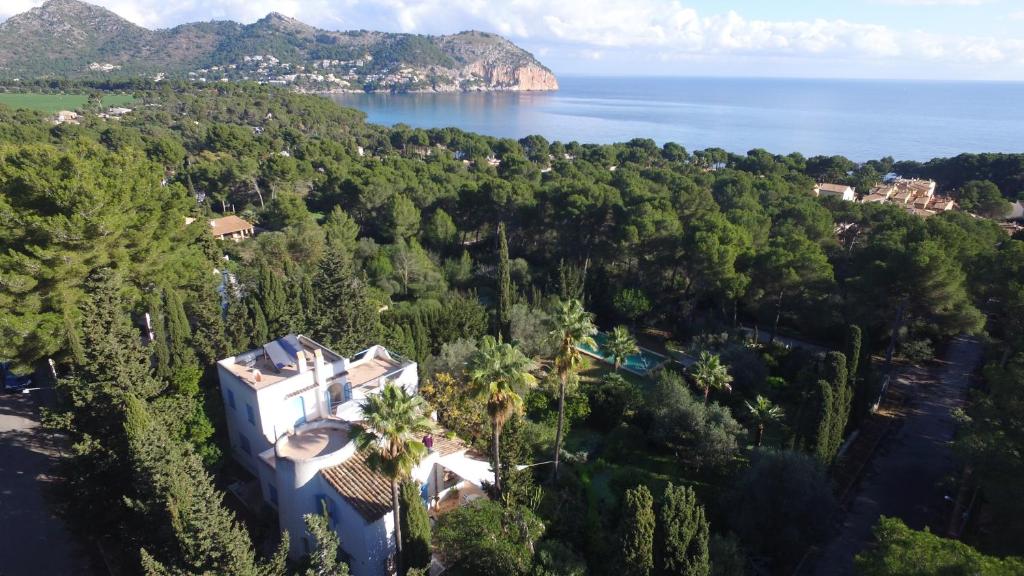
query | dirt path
[910, 473]
[35, 541]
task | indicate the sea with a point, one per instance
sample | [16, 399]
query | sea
[859, 119]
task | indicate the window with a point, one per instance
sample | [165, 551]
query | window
[346, 392]
[244, 440]
[325, 505]
[272, 491]
[250, 414]
[231, 398]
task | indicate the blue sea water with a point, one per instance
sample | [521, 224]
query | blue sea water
[860, 119]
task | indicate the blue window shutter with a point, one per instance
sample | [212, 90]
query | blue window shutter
[231, 398]
[272, 490]
[250, 414]
[346, 392]
[245, 444]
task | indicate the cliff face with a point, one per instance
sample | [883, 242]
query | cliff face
[528, 77]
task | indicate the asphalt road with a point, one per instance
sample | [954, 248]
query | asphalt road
[34, 541]
[910, 474]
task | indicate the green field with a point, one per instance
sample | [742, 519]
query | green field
[51, 103]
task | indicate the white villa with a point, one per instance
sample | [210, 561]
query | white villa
[841, 191]
[290, 406]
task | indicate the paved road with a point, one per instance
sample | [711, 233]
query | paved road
[34, 541]
[908, 476]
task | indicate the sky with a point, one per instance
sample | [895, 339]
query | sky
[915, 39]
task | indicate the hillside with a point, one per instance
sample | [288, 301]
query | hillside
[72, 39]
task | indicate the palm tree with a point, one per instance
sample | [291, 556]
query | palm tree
[764, 412]
[621, 345]
[394, 423]
[497, 373]
[574, 326]
[709, 372]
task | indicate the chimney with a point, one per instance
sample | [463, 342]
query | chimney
[257, 375]
[319, 372]
[300, 361]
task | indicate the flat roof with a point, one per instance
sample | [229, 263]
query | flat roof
[311, 443]
[371, 369]
[277, 360]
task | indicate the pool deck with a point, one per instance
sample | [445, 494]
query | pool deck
[664, 360]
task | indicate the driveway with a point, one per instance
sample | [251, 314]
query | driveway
[35, 541]
[909, 475]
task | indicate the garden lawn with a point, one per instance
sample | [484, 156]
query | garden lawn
[52, 103]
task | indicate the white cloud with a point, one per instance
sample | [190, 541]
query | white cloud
[936, 2]
[596, 28]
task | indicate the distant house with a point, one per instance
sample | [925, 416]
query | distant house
[66, 116]
[942, 204]
[231, 228]
[842, 191]
[117, 111]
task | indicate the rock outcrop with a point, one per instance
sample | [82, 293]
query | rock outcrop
[64, 38]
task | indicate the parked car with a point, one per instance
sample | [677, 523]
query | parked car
[14, 382]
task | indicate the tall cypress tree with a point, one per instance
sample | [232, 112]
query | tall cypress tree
[238, 327]
[823, 435]
[504, 286]
[415, 527]
[853, 345]
[836, 370]
[179, 332]
[209, 339]
[684, 534]
[636, 532]
[161, 353]
[273, 300]
[260, 331]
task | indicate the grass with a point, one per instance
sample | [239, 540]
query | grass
[52, 103]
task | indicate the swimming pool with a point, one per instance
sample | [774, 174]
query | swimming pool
[640, 364]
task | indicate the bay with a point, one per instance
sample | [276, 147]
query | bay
[860, 119]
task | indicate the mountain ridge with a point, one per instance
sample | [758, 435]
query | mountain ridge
[75, 39]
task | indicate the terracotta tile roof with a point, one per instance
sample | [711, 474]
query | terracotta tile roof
[365, 490]
[445, 446]
[228, 225]
[835, 188]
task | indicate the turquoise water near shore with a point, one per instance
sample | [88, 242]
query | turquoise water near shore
[860, 119]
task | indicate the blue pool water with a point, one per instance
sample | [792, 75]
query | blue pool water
[641, 363]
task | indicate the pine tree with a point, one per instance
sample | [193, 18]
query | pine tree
[341, 231]
[115, 366]
[685, 534]
[346, 319]
[175, 491]
[323, 560]
[415, 527]
[504, 285]
[637, 532]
